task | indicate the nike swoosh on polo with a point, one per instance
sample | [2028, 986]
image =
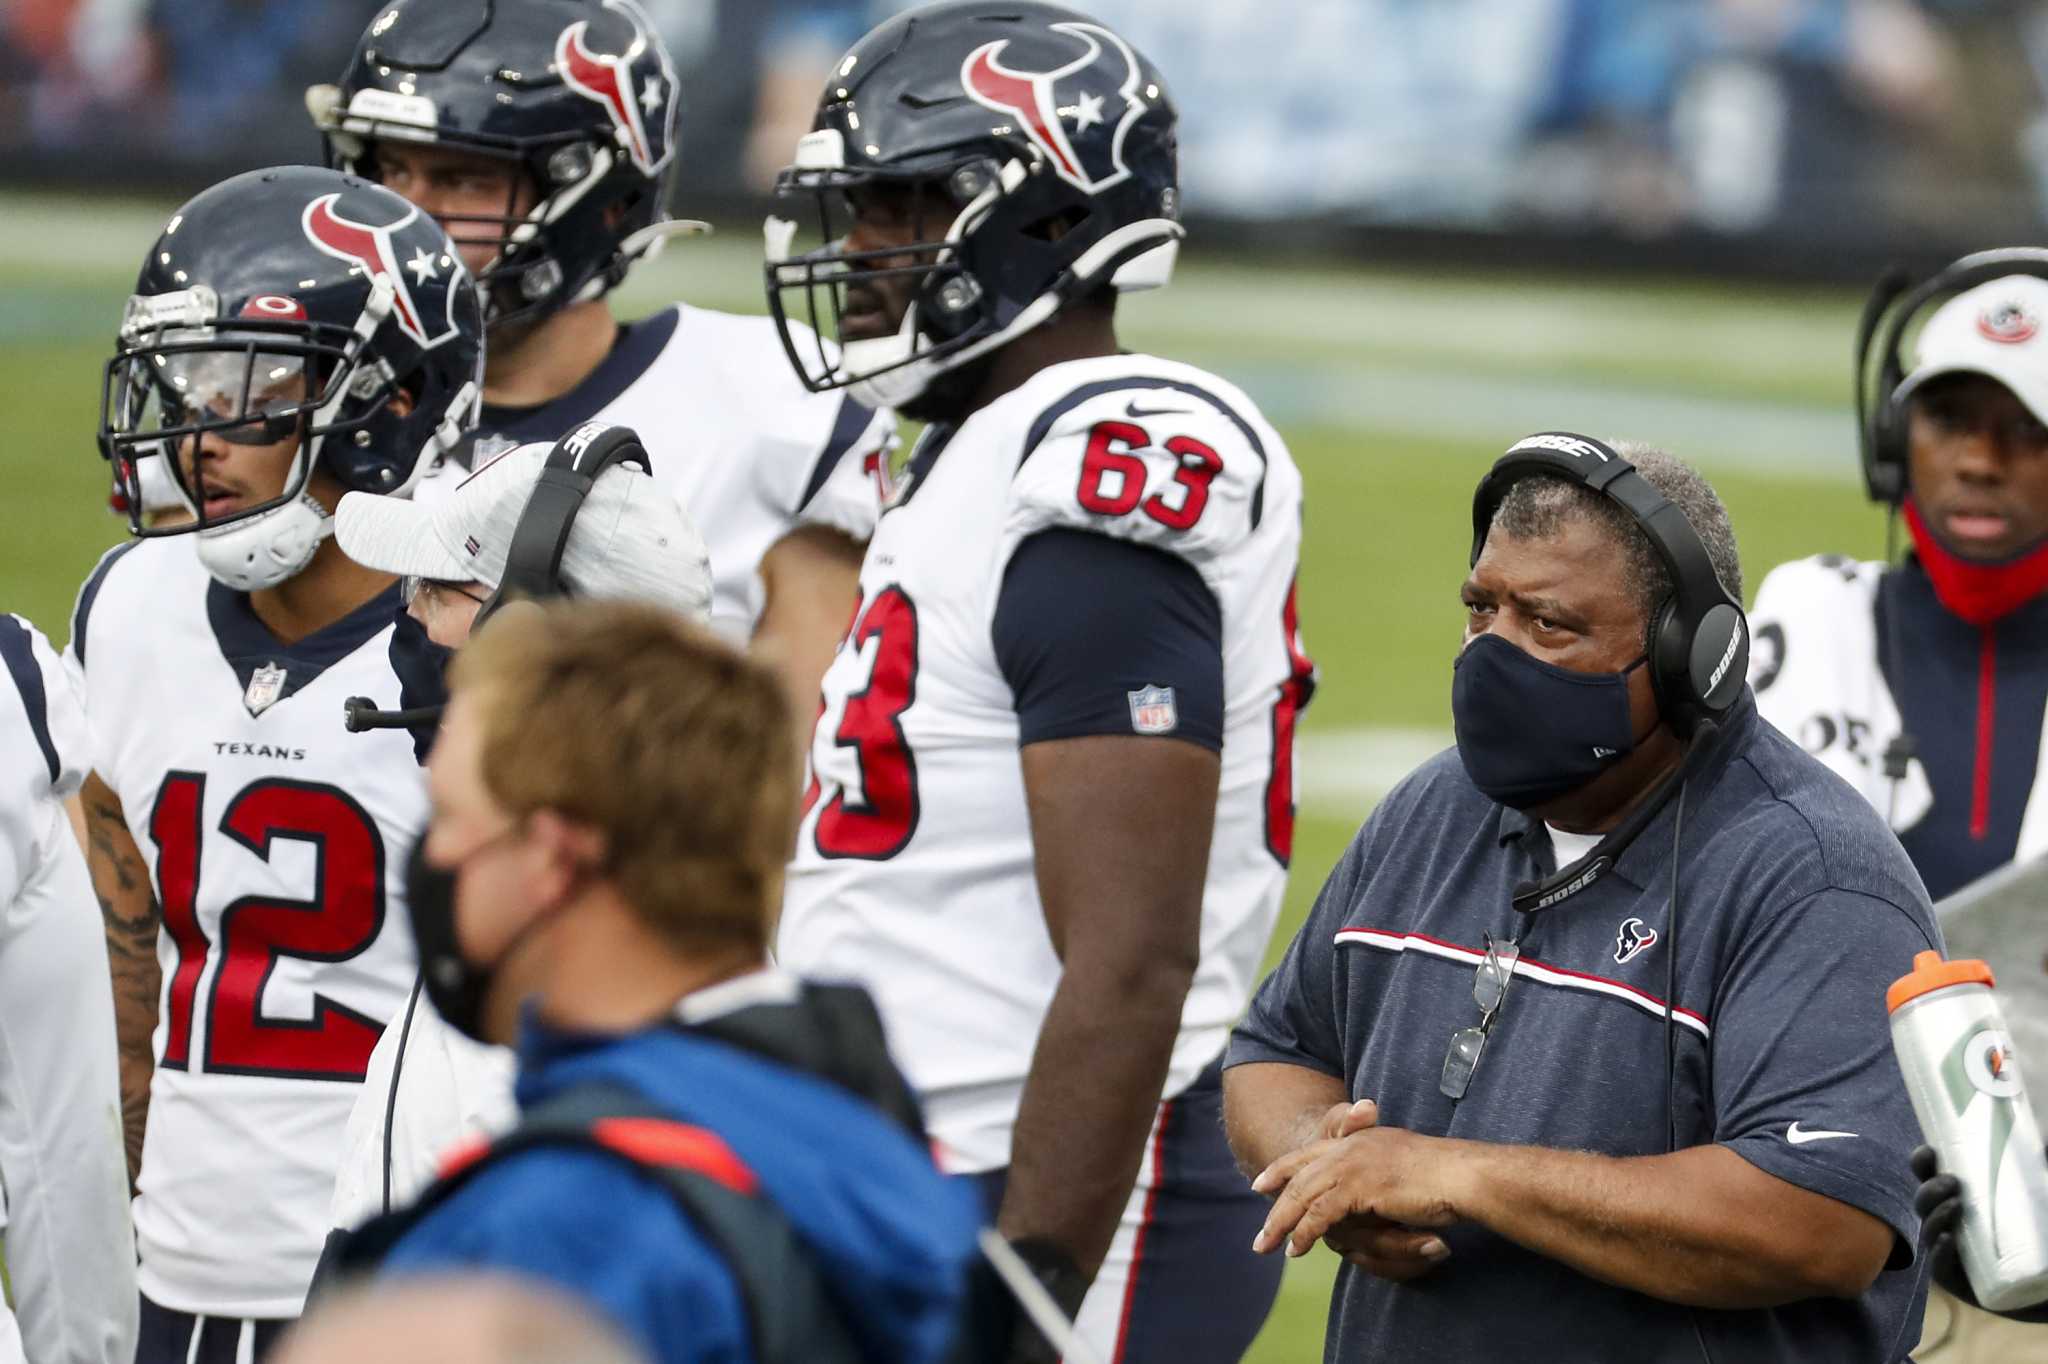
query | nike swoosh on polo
[1799, 1138]
[1133, 411]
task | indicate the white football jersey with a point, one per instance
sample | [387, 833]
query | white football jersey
[1828, 692]
[914, 872]
[277, 842]
[63, 1172]
[746, 449]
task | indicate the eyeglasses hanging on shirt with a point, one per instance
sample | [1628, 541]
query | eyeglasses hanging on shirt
[1490, 993]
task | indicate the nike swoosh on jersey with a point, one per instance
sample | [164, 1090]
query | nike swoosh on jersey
[1133, 411]
[1799, 1138]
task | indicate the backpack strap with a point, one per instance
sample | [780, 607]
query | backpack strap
[791, 1314]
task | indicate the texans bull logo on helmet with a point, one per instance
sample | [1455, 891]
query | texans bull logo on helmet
[636, 100]
[1094, 90]
[388, 252]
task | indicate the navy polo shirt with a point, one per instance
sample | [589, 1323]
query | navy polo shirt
[1798, 908]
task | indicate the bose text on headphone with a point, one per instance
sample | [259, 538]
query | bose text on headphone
[1699, 638]
[533, 561]
[1891, 309]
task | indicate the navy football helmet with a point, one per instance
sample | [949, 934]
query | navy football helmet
[1045, 148]
[579, 94]
[290, 303]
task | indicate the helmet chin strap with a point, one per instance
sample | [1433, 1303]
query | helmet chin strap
[271, 547]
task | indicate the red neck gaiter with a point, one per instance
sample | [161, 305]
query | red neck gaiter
[1979, 593]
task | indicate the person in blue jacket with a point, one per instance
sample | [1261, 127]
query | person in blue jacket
[717, 1156]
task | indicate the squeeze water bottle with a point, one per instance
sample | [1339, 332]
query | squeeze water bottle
[1964, 1082]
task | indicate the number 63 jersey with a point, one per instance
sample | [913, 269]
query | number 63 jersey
[914, 869]
[277, 843]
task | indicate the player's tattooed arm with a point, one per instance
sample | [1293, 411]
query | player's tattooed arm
[130, 915]
[812, 580]
[1121, 828]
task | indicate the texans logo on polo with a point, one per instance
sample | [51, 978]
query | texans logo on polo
[2011, 322]
[608, 78]
[1633, 938]
[1092, 91]
[377, 249]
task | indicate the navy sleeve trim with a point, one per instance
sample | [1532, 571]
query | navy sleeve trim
[90, 593]
[847, 427]
[1101, 636]
[18, 651]
[1052, 414]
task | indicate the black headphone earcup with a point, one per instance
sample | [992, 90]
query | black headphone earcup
[1887, 472]
[1718, 661]
[1670, 651]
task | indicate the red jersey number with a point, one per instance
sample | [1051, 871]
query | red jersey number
[340, 921]
[1113, 479]
[878, 822]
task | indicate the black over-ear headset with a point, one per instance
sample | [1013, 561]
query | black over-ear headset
[1699, 639]
[533, 561]
[1893, 305]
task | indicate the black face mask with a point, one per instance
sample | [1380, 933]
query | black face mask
[455, 987]
[422, 668]
[1529, 731]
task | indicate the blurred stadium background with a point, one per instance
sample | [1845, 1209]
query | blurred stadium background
[1419, 230]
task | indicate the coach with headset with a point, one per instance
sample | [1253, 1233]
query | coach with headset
[1581, 1052]
[582, 519]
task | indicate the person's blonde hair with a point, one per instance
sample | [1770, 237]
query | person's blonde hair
[670, 743]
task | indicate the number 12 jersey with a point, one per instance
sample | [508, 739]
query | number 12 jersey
[914, 869]
[277, 843]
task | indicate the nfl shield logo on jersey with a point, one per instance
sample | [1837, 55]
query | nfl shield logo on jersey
[266, 684]
[1152, 710]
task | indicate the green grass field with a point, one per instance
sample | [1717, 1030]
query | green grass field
[1394, 390]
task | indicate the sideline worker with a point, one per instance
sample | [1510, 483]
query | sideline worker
[718, 1156]
[1465, 1076]
[1924, 682]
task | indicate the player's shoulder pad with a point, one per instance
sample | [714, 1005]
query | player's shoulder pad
[42, 704]
[1163, 460]
[89, 593]
[749, 351]
[820, 428]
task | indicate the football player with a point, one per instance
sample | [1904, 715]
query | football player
[1052, 797]
[70, 1253]
[294, 334]
[542, 133]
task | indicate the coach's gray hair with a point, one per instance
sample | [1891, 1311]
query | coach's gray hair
[1537, 507]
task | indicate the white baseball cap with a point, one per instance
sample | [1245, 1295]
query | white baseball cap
[1999, 330]
[630, 539]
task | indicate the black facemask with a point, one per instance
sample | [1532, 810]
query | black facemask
[455, 987]
[1529, 731]
[422, 668]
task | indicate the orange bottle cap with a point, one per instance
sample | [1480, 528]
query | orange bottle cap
[1931, 973]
